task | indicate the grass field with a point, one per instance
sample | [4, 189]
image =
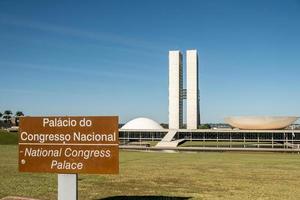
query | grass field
[145, 175]
[8, 138]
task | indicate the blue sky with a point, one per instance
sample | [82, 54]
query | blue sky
[111, 57]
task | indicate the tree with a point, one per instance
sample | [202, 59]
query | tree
[164, 125]
[204, 126]
[17, 117]
[7, 115]
[1, 114]
[19, 113]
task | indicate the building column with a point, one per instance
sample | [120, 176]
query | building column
[175, 89]
[192, 103]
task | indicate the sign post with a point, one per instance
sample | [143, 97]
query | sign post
[68, 146]
[67, 186]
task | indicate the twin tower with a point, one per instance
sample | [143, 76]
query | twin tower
[177, 94]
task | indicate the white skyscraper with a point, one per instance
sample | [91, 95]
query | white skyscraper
[192, 96]
[175, 90]
[177, 94]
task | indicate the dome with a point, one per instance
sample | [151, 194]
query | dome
[261, 122]
[142, 123]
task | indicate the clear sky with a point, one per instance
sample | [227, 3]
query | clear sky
[111, 57]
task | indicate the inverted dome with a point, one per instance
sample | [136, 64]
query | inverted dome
[260, 123]
[142, 123]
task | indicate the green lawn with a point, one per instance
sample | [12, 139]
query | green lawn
[195, 175]
[8, 138]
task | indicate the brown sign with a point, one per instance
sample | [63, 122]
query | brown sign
[87, 144]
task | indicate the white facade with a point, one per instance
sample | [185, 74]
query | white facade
[175, 89]
[142, 123]
[192, 103]
[260, 122]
